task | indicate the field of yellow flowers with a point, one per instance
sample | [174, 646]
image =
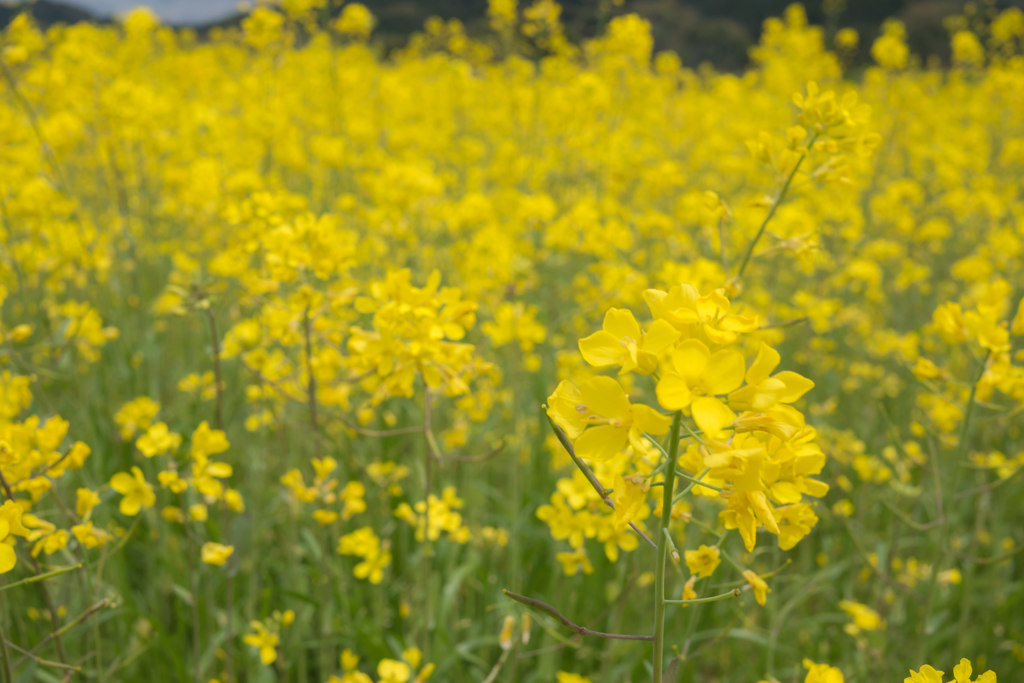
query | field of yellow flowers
[509, 359]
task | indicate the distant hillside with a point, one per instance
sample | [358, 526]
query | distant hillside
[47, 13]
[698, 30]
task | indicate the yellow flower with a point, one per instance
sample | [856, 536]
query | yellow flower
[703, 561]
[393, 671]
[264, 640]
[600, 420]
[137, 492]
[621, 342]
[216, 553]
[822, 673]
[689, 312]
[206, 441]
[764, 390]
[688, 592]
[694, 379]
[761, 589]
[962, 673]
[864, 618]
[158, 439]
[85, 501]
[10, 526]
[927, 674]
[566, 677]
[355, 20]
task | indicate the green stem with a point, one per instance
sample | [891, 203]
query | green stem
[563, 438]
[5, 660]
[697, 482]
[962, 445]
[542, 606]
[771, 210]
[41, 577]
[659, 569]
[942, 521]
[694, 481]
[734, 593]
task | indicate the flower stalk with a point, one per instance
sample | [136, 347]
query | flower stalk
[663, 543]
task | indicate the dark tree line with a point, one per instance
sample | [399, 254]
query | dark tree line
[698, 30]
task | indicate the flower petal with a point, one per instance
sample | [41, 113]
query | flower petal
[601, 443]
[604, 396]
[620, 323]
[766, 360]
[724, 372]
[602, 349]
[8, 558]
[711, 415]
[122, 482]
[660, 336]
[962, 671]
[690, 359]
[649, 420]
[673, 394]
[796, 386]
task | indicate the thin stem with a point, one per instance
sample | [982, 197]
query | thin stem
[542, 606]
[39, 660]
[694, 434]
[40, 577]
[30, 654]
[311, 390]
[426, 557]
[47, 599]
[771, 210]
[659, 568]
[5, 661]
[734, 593]
[563, 438]
[962, 443]
[229, 581]
[697, 482]
[219, 383]
[694, 482]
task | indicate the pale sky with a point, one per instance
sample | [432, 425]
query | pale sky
[170, 11]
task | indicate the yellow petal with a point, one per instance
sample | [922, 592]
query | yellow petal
[564, 408]
[621, 324]
[602, 349]
[713, 304]
[690, 359]
[673, 394]
[129, 506]
[813, 487]
[785, 492]
[796, 386]
[660, 336]
[601, 443]
[711, 415]
[766, 360]
[649, 420]
[764, 511]
[221, 470]
[8, 558]
[122, 482]
[962, 671]
[724, 372]
[605, 397]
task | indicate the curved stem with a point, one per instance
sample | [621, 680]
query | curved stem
[771, 210]
[542, 606]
